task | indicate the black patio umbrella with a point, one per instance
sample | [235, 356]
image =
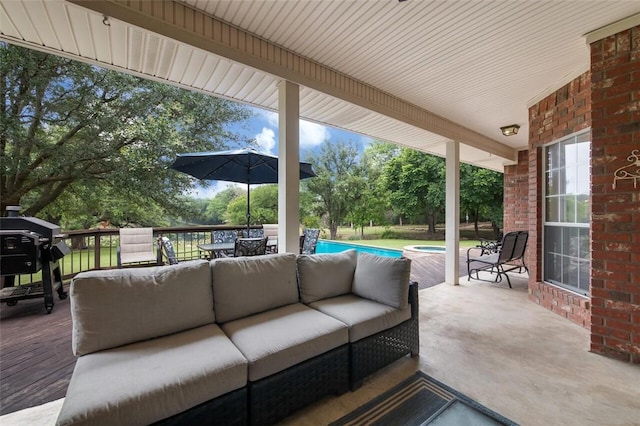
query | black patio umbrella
[242, 166]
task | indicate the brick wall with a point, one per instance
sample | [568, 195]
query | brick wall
[615, 233]
[516, 194]
[516, 200]
[566, 111]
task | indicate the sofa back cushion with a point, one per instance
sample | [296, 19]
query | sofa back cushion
[326, 275]
[383, 279]
[244, 286]
[116, 307]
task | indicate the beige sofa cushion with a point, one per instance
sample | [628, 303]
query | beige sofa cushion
[363, 316]
[122, 306]
[244, 286]
[280, 338]
[326, 275]
[148, 381]
[383, 279]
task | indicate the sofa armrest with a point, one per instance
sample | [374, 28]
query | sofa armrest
[413, 298]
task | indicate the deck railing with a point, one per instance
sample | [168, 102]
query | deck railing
[97, 248]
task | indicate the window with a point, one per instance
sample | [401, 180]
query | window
[567, 211]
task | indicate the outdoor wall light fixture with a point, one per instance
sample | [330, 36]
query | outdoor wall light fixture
[511, 129]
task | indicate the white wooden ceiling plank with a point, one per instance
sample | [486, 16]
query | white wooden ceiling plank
[81, 29]
[296, 36]
[206, 70]
[229, 78]
[21, 21]
[223, 66]
[262, 86]
[119, 44]
[270, 18]
[135, 50]
[239, 83]
[152, 52]
[100, 37]
[167, 57]
[181, 59]
[196, 60]
[7, 27]
[38, 13]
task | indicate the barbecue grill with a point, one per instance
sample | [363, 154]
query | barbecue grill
[28, 245]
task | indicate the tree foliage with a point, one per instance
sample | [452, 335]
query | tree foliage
[264, 206]
[373, 203]
[77, 138]
[217, 207]
[338, 184]
[481, 195]
[416, 185]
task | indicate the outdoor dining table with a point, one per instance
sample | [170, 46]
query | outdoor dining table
[215, 249]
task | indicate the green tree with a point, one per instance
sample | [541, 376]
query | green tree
[338, 183]
[76, 133]
[416, 185]
[373, 203]
[481, 195]
[217, 207]
[264, 206]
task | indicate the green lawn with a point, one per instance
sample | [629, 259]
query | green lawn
[400, 236]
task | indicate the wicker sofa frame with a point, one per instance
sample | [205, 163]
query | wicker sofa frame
[370, 354]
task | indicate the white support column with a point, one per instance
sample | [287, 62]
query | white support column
[288, 167]
[452, 222]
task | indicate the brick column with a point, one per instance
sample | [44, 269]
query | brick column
[615, 230]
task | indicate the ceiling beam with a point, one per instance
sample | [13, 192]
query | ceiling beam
[196, 28]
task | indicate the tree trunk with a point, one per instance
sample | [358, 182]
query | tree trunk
[333, 231]
[78, 243]
[496, 229]
[431, 223]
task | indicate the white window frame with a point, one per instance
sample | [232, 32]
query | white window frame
[563, 224]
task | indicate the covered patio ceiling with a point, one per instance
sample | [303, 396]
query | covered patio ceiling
[415, 73]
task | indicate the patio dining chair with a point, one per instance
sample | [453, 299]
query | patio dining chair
[309, 241]
[166, 251]
[250, 247]
[136, 246]
[227, 236]
[253, 233]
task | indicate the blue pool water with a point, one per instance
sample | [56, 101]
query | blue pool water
[325, 246]
[426, 249]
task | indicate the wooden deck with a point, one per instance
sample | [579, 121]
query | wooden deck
[35, 348]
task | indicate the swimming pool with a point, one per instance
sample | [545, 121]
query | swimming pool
[426, 249]
[325, 246]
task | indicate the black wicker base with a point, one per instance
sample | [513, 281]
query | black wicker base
[229, 409]
[370, 354]
[275, 397]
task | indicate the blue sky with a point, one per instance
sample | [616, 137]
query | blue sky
[263, 127]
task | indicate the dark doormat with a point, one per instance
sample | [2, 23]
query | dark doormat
[422, 400]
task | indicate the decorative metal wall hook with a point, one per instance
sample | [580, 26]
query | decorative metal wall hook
[630, 171]
[105, 20]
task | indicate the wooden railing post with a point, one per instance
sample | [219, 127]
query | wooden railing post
[97, 242]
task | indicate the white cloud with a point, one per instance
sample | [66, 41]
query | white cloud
[311, 134]
[266, 139]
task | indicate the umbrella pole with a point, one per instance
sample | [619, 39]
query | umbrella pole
[248, 209]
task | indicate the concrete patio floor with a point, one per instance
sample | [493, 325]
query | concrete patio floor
[494, 345]
[490, 343]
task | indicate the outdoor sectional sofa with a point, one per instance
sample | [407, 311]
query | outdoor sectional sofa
[233, 341]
